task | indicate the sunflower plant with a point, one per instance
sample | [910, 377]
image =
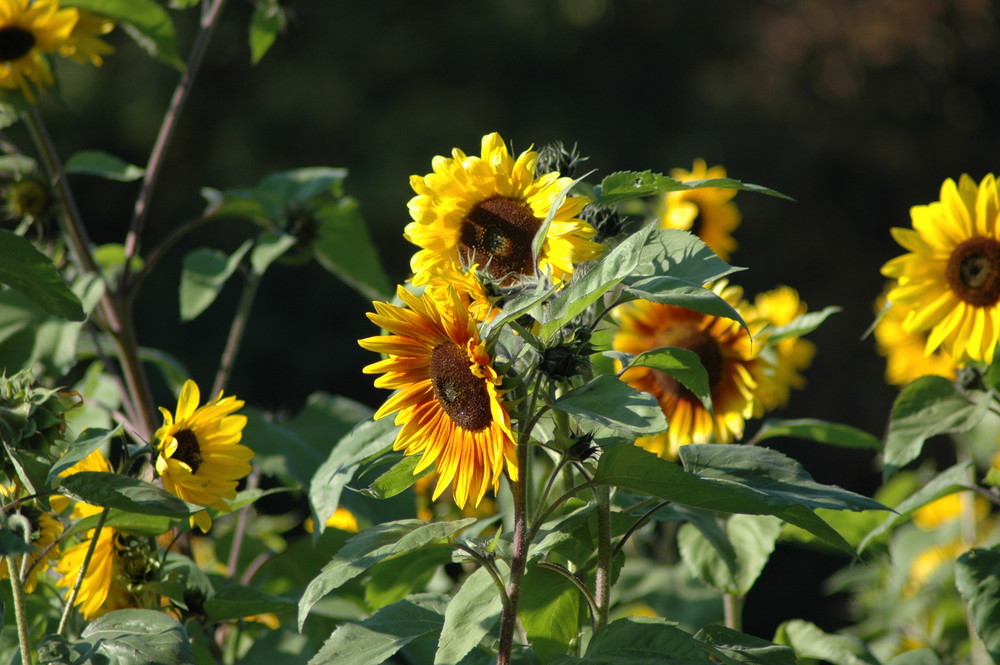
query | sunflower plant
[571, 462]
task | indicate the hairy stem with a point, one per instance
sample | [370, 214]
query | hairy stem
[602, 579]
[508, 619]
[17, 587]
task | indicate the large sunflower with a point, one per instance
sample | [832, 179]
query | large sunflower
[487, 210]
[447, 398]
[707, 212]
[725, 350]
[201, 459]
[950, 279]
[905, 359]
[787, 357]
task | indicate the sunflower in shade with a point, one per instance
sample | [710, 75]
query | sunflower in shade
[949, 281]
[787, 357]
[487, 210]
[200, 457]
[905, 357]
[447, 395]
[707, 212]
[45, 531]
[727, 352]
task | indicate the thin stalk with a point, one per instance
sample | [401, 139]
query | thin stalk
[241, 526]
[591, 603]
[236, 331]
[602, 579]
[17, 587]
[635, 527]
[548, 485]
[71, 598]
[533, 531]
[209, 20]
[491, 569]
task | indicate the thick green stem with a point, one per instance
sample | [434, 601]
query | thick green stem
[602, 579]
[732, 610]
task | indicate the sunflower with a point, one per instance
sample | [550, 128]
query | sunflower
[105, 584]
[707, 212]
[950, 279]
[200, 458]
[726, 351]
[85, 44]
[788, 356]
[45, 531]
[448, 400]
[487, 210]
[473, 291]
[905, 359]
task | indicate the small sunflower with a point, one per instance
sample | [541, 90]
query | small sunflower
[487, 210]
[950, 279]
[105, 585]
[726, 351]
[200, 457]
[905, 359]
[447, 398]
[707, 212]
[789, 356]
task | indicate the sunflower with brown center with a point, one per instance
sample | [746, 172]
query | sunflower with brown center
[950, 279]
[447, 396]
[488, 209]
[726, 351]
[707, 212]
[200, 457]
[905, 360]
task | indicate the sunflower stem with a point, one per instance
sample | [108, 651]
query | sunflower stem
[17, 587]
[71, 598]
[236, 331]
[602, 579]
[732, 609]
[518, 561]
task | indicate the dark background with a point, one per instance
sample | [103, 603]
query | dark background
[858, 110]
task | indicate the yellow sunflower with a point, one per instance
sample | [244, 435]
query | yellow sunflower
[707, 212]
[788, 357]
[447, 398]
[200, 457]
[45, 530]
[85, 44]
[950, 279]
[470, 288]
[105, 585]
[905, 359]
[487, 210]
[726, 351]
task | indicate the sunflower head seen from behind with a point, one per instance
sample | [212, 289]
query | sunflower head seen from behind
[487, 210]
[707, 212]
[200, 456]
[949, 281]
[447, 397]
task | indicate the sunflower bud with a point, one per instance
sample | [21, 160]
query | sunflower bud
[26, 198]
[568, 358]
[582, 448]
[607, 220]
[556, 157]
[31, 417]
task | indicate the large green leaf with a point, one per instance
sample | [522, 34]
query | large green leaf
[471, 615]
[753, 538]
[392, 580]
[809, 641]
[25, 269]
[625, 185]
[367, 548]
[132, 495]
[680, 255]
[669, 290]
[682, 364]
[743, 649]
[103, 165]
[376, 639]
[344, 247]
[397, 479]
[89, 440]
[640, 641]
[820, 431]
[126, 522]
[204, 274]
[549, 611]
[929, 406]
[977, 576]
[612, 403]
[145, 21]
[123, 637]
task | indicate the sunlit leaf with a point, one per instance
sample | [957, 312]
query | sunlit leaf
[612, 403]
[132, 495]
[752, 537]
[204, 274]
[393, 580]
[397, 479]
[89, 440]
[681, 364]
[344, 247]
[801, 325]
[625, 185]
[809, 641]
[103, 165]
[25, 269]
[472, 613]
[809, 429]
[549, 611]
[744, 649]
[267, 21]
[977, 576]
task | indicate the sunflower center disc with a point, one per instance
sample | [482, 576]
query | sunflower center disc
[497, 234]
[460, 393]
[973, 271]
[188, 450]
[699, 342]
[15, 43]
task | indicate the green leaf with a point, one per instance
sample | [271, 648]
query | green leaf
[89, 440]
[809, 641]
[742, 648]
[397, 479]
[396, 578]
[922, 656]
[367, 548]
[345, 249]
[126, 522]
[625, 185]
[549, 611]
[640, 641]
[471, 615]
[112, 490]
[682, 364]
[103, 165]
[820, 431]
[145, 21]
[267, 21]
[123, 637]
[297, 186]
[926, 407]
[612, 403]
[13, 164]
[538, 242]
[376, 639]
[801, 325]
[25, 269]
[237, 602]
[12, 543]
[204, 274]
[668, 290]
[268, 248]
[753, 538]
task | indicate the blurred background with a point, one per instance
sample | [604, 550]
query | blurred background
[856, 109]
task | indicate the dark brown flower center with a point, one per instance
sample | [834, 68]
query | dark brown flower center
[460, 393]
[973, 271]
[696, 223]
[700, 343]
[497, 234]
[15, 43]
[188, 450]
